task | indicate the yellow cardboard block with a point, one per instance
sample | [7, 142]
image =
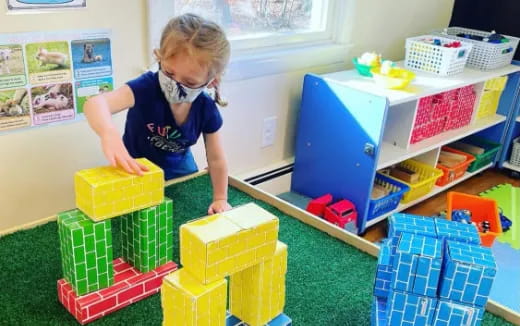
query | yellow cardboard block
[187, 302]
[220, 245]
[257, 294]
[105, 192]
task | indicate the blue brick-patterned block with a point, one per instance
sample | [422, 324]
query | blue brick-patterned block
[378, 312]
[383, 270]
[406, 309]
[450, 313]
[281, 320]
[417, 265]
[456, 231]
[408, 223]
[467, 274]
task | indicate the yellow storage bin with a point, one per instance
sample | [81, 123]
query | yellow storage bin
[490, 97]
[496, 84]
[428, 175]
[488, 103]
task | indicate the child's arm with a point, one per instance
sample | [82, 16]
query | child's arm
[99, 110]
[218, 172]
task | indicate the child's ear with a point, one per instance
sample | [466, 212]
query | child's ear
[157, 55]
[215, 83]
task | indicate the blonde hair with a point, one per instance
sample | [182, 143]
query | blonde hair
[200, 37]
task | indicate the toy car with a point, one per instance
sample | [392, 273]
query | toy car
[504, 221]
[461, 215]
[317, 205]
[341, 213]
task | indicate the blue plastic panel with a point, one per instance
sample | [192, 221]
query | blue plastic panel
[509, 106]
[335, 124]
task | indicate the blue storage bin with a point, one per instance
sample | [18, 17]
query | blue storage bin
[378, 207]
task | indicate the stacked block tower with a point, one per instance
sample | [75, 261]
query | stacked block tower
[431, 271]
[94, 284]
[242, 244]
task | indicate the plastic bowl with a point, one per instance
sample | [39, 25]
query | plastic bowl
[362, 69]
[398, 79]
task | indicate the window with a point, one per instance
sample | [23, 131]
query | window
[263, 29]
[256, 23]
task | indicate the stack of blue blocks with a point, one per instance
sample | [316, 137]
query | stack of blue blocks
[431, 271]
[280, 320]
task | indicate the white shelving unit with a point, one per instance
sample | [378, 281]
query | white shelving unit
[367, 117]
[424, 84]
[391, 154]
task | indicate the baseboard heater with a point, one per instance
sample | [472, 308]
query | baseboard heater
[269, 175]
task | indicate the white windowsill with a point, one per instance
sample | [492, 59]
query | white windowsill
[272, 61]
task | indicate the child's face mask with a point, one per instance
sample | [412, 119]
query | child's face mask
[176, 92]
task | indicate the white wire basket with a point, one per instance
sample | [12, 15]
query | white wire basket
[485, 55]
[435, 59]
[515, 154]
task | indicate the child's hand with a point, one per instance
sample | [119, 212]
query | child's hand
[117, 154]
[219, 206]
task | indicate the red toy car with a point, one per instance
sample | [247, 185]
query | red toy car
[317, 206]
[341, 213]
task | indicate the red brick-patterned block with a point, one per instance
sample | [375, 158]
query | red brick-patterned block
[130, 286]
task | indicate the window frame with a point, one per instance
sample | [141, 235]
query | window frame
[253, 57]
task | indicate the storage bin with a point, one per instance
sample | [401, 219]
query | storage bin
[515, 153]
[482, 209]
[490, 97]
[436, 59]
[428, 175]
[454, 173]
[378, 207]
[484, 55]
[481, 160]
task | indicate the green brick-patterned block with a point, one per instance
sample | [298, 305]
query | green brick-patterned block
[86, 251]
[147, 236]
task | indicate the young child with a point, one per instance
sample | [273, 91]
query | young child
[169, 110]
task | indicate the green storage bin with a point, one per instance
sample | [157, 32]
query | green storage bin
[481, 160]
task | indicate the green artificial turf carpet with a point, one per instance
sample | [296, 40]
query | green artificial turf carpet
[328, 281]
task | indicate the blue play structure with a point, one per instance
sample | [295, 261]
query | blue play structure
[349, 129]
[431, 272]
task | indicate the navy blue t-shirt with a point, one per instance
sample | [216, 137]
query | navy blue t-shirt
[151, 130]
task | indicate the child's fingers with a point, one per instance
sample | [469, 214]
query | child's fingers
[112, 160]
[135, 166]
[142, 167]
[124, 164]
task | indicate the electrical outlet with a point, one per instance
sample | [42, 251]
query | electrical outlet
[269, 131]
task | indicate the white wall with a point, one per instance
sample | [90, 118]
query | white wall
[37, 166]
